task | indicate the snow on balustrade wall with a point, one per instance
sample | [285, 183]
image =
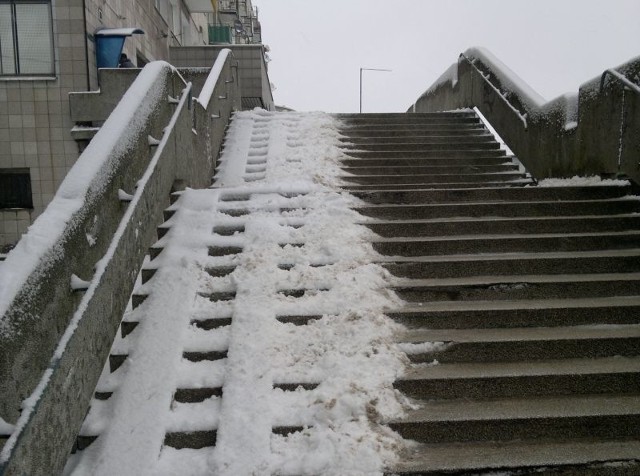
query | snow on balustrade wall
[593, 132]
[146, 144]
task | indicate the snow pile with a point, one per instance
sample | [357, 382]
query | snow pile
[303, 254]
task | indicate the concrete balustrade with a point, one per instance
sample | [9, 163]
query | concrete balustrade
[55, 340]
[596, 131]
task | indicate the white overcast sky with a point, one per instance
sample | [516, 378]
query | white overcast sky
[319, 46]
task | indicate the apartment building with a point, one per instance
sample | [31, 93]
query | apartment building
[50, 48]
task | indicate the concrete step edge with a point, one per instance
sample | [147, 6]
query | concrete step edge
[408, 283]
[532, 408]
[537, 304]
[486, 457]
[552, 367]
[520, 334]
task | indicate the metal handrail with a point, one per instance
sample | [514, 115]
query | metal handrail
[523, 117]
[620, 77]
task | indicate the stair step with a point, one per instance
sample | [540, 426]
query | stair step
[432, 178]
[417, 246]
[486, 208]
[408, 119]
[404, 115]
[520, 344]
[431, 144]
[437, 185]
[555, 418]
[522, 287]
[491, 225]
[430, 169]
[362, 134]
[515, 264]
[524, 313]
[467, 137]
[436, 151]
[468, 159]
[584, 457]
[490, 380]
[525, 194]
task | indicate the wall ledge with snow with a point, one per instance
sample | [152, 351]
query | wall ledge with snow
[54, 338]
[596, 131]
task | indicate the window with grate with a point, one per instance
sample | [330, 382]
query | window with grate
[26, 38]
[15, 188]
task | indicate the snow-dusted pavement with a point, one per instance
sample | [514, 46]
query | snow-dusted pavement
[221, 377]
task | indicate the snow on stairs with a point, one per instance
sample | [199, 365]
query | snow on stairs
[522, 305]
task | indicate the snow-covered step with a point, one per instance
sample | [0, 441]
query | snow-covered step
[409, 130]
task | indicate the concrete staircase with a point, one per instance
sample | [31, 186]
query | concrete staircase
[522, 305]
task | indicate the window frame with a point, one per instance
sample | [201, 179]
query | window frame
[16, 43]
[23, 201]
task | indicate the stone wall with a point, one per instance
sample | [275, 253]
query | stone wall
[596, 132]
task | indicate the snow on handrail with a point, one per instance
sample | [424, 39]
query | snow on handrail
[509, 80]
[620, 77]
[521, 116]
[212, 79]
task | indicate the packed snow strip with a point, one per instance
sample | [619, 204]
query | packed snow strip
[135, 419]
[282, 171]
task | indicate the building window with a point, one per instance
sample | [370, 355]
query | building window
[15, 188]
[26, 38]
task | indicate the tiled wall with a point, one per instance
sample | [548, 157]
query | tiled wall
[35, 122]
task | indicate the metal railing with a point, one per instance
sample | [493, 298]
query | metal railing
[619, 77]
[521, 115]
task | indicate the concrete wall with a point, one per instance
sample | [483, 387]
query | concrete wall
[597, 132]
[47, 315]
[34, 111]
[252, 67]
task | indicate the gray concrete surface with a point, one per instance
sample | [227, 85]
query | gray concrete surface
[598, 135]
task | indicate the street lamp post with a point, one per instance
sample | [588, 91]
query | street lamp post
[367, 69]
